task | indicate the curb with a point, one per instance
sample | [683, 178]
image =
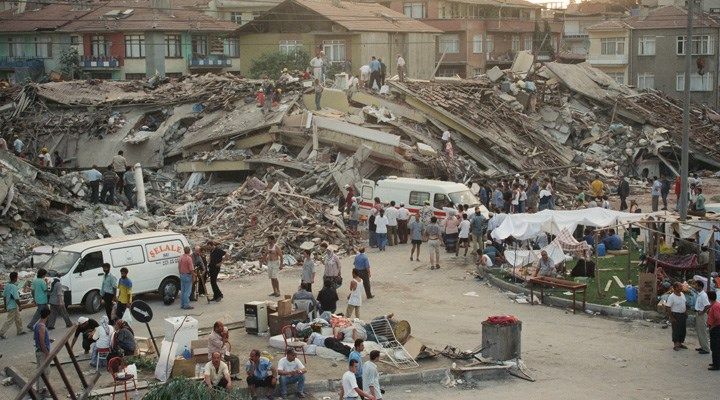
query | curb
[616, 312]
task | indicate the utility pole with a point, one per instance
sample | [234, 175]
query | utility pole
[684, 155]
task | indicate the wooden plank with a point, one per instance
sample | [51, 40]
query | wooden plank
[619, 282]
[607, 285]
[86, 393]
[141, 384]
[53, 353]
[20, 380]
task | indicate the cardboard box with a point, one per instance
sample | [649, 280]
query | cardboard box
[199, 347]
[284, 307]
[184, 368]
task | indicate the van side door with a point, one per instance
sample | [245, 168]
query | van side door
[88, 275]
[131, 257]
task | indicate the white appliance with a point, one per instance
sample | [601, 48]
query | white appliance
[184, 330]
[256, 317]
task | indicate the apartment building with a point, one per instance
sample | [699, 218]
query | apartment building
[480, 34]
[116, 39]
[648, 52]
[577, 17]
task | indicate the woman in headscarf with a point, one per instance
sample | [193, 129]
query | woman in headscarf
[103, 338]
[123, 343]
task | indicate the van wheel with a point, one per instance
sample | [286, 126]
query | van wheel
[92, 302]
[169, 285]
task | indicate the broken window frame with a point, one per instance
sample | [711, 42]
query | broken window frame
[449, 43]
[335, 50]
[643, 80]
[99, 46]
[698, 83]
[173, 46]
[134, 46]
[646, 46]
[289, 46]
[416, 10]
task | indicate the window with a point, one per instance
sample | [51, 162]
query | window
[419, 198]
[74, 40]
[449, 71]
[199, 46]
[477, 44]
[334, 50]
[236, 17]
[134, 46]
[290, 46]
[43, 47]
[99, 47]
[441, 201]
[528, 43]
[515, 44]
[646, 46]
[15, 48]
[414, 10]
[172, 46]
[127, 256]
[367, 192]
[449, 44]
[698, 83]
[702, 45]
[134, 77]
[612, 46]
[490, 44]
[231, 47]
[645, 81]
[91, 261]
[618, 77]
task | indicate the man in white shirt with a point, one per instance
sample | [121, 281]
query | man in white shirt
[371, 377]
[392, 225]
[676, 309]
[350, 389]
[403, 218]
[217, 374]
[463, 236]
[702, 304]
[317, 67]
[401, 68]
[291, 370]
[483, 263]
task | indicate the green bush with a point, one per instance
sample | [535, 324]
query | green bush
[187, 389]
[272, 64]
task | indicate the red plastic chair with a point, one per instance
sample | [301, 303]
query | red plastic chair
[290, 342]
[114, 366]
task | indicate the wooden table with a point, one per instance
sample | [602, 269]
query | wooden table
[556, 282]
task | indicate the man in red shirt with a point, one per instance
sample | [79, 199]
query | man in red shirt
[713, 322]
[185, 265]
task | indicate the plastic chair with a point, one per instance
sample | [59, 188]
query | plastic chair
[290, 342]
[102, 354]
[115, 365]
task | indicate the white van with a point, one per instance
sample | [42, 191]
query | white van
[151, 259]
[442, 195]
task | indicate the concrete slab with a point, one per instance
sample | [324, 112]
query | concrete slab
[397, 109]
[17, 165]
[331, 98]
[357, 131]
[523, 62]
[215, 166]
[494, 73]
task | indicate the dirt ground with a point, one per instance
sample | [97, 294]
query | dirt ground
[570, 356]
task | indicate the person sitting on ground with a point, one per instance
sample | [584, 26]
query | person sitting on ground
[328, 297]
[303, 299]
[123, 343]
[333, 343]
[613, 241]
[217, 374]
[86, 327]
[546, 266]
[290, 370]
[219, 341]
[482, 264]
[260, 373]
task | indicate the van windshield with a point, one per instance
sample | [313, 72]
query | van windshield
[61, 262]
[464, 197]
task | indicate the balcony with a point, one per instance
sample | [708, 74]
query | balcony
[607, 59]
[574, 35]
[98, 63]
[215, 61]
[14, 63]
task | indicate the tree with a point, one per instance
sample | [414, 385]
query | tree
[70, 63]
[272, 64]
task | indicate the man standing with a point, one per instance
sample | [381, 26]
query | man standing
[318, 89]
[40, 295]
[371, 377]
[332, 271]
[260, 373]
[317, 67]
[354, 220]
[401, 68]
[217, 254]
[676, 309]
[416, 231]
[273, 258]
[56, 299]
[110, 179]
[216, 374]
[362, 265]
[308, 272]
[374, 73]
[655, 193]
[463, 236]
[124, 293]
[219, 341]
[41, 336]
[403, 215]
[478, 225]
[624, 192]
[185, 268]
[664, 190]
[350, 389]
[381, 230]
[11, 295]
[356, 355]
[200, 271]
[383, 72]
[392, 223]
[713, 323]
[93, 178]
[108, 290]
[129, 186]
[119, 165]
[290, 370]
[702, 304]
[432, 232]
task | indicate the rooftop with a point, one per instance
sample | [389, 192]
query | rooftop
[44, 19]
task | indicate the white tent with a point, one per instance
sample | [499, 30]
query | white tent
[529, 226]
